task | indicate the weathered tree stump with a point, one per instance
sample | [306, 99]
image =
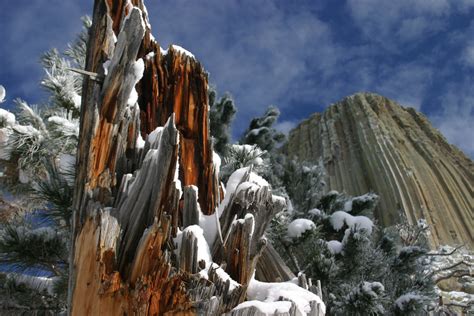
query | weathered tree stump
[141, 246]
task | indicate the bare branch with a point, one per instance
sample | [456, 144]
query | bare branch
[445, 254]
[92, 75]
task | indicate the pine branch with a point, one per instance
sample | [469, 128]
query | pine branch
[25, 248]
[56, 192]
[30, 116]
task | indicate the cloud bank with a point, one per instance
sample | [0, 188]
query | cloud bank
[299, 56]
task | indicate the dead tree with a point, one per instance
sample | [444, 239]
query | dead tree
[153, 232]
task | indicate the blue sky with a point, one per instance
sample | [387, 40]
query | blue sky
[300, 55]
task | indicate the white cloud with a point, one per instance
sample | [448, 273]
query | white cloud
[285, 126]
[256, 50]
[468, 55]
[27, 31]
[266, 53]
[395, 23]
[458, 130]
[406, 83]
[414, 28]
[456, 118]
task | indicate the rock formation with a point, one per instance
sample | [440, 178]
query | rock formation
[370, 143]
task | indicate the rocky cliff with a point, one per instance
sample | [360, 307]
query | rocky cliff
[370, 143]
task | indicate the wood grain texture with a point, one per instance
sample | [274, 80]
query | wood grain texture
[129, 206]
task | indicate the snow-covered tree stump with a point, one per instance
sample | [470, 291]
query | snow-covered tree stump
[141, 246]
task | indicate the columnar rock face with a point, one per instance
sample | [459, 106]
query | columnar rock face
[370, 143]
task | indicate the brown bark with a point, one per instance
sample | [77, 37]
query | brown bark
[128, 201]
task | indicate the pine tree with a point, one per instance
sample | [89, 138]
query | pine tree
[240, 156]
[221, 115]
[262, 133]
[364, 270]
[38, 146]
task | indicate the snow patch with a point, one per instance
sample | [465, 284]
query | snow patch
[6, 118]
[138, 69]
[207, 222]
[283, 291]
[299, 226]
[140, 142]
[404, 300]
[3, 93]
[183, 51]
[268, 308]
[216, 160]
[255, 178]
[77, 100]
[348, 206]
[133, 98]
[221, 273]
[163, 52]
[209, 225]
[155, 136]
[66, 127]
[236, 185]
[176, 180]
[339, 219]
[246, 218]
[315, 212]
[334, 246]
[368, 288]
[276, 199]
[106, 65]
[232, 183]
[150, 55]
[27, 130]
[203, 251]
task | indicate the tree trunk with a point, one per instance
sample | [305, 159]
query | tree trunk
[138, 248]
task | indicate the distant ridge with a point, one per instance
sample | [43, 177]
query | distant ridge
[370, 143]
